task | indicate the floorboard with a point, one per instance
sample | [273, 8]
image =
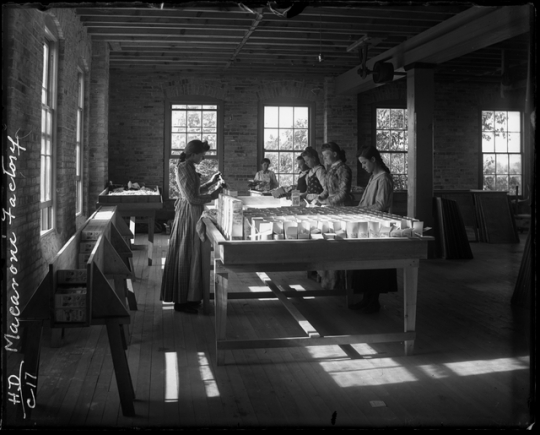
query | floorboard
[470, 367]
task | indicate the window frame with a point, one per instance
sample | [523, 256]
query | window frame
[192, 100]
[48, 205]
[285, 102]
[389, 104]
[79, 143]
[522, 153]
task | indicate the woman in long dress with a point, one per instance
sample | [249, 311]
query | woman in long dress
[337, 192]
[378, 195]
[182, 275]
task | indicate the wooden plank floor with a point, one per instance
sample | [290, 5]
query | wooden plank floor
[470, 367]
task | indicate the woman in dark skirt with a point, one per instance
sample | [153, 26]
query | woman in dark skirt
[378, 195]
[182, 275]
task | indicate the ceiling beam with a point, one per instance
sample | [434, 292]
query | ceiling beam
[471, 30]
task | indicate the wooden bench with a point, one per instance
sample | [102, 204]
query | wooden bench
[97, 293]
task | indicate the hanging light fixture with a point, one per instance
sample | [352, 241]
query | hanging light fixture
[320, 57]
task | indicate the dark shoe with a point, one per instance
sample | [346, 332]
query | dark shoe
[185, 308]
[193, 304]
[371, 308]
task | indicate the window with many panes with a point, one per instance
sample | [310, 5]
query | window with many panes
[48, 114]
[501, 151]
[186, 121]
[286, 132]
[79, 144]
[392, 142]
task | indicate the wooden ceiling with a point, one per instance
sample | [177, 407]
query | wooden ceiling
[255, 37]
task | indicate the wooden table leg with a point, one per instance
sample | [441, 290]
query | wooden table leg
[130, 294]
[221, 280]
[121, 368]
[132, 228]
[151, 223]
[206, 258]
[410, 287]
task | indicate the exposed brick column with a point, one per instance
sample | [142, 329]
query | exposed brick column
[340, 122]
[99, 122]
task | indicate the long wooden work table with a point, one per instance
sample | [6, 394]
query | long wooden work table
[243, 256]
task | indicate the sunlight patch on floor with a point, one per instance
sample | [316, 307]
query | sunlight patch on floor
[207, 376]
[264, 288]
[171, 377]
[480, 367]
[258, 289]
[351, 373]
[300, 289]
[357, 373]
[334, 351]
[326, 352]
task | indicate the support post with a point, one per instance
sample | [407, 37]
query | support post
[410, 290]
[420, 107]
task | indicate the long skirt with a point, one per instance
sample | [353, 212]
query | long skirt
[374, 281]
[361, 281]
[182, 274]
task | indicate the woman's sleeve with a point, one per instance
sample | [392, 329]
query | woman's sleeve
[273, 181]
[382, 194]
[206, 186]
[257, 176]
[344, 186]
[188, 182]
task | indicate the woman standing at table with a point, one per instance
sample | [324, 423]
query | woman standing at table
[315, 178]
[266, 176]
[337, 192]
[337, 188]
[182, 275]
[378, 195]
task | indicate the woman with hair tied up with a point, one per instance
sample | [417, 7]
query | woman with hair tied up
[378, 195]
[337, 188]
[315, 178]
[266, 176]
[337, 192]
[182, 275]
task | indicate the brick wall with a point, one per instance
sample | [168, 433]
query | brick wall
[136, 119]
[98, 144]
[457, 127]
[23, 69]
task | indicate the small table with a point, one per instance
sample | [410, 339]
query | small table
[134, 207]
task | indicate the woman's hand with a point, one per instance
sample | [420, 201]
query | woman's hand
[215, 177]
[215, 193]
[318, 201]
